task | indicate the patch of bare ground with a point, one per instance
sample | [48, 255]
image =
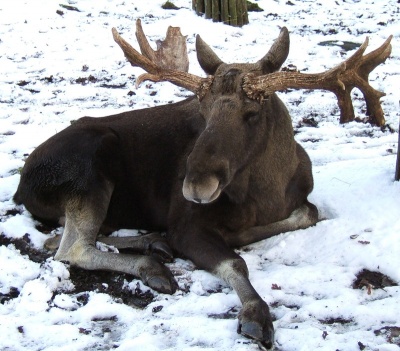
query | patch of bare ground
[110, 283]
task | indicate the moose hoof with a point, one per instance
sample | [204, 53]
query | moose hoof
[255, 323]
[157, 246]
[253, 330]
[162, 285]
[158, 277]
[161, 251]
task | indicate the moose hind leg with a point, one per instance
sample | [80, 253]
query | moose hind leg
[84, 217]
[152, 243]
[303, 217]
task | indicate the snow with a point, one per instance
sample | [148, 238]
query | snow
[306, 276]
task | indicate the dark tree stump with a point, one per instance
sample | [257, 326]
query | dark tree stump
[231, 12]
[397, 173]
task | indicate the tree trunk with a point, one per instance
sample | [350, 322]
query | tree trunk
[397, 174]
[224, 11]
[232, 12]
[208, 8]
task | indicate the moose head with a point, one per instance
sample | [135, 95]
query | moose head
[237, 126]
[233, 103]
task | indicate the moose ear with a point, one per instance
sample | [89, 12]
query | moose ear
[277, 54]
[208, 59]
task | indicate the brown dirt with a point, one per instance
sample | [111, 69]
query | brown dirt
[111, 283]
[372, 280]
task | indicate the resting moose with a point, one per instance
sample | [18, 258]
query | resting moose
[215, 171]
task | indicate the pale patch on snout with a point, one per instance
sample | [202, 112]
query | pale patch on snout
[202, 192]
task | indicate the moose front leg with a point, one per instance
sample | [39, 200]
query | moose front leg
[84, 216]
[255, 320]
[208, 250]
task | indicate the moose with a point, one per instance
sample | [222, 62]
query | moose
[218, 170]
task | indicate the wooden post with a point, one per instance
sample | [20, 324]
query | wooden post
[216, 11]
[239, 13]
[241, 9]
[200, 7]
[225, 12]
[233, 13]
[208, 8]
[245, 14]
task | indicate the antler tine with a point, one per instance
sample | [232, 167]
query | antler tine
[144, 45]
[358, 54]
[375, 57]
[340, 80]
[135, 58]
[156, 73]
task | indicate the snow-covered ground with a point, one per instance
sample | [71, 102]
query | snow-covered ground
[57, 65]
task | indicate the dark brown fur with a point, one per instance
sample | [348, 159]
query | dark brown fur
[234, 159]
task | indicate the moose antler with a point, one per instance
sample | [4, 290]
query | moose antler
[162, 65]
[340, 80]
[171, 53]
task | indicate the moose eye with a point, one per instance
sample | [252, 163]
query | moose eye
[251, 117]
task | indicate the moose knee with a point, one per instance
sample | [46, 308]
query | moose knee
[231, 269]
[78, 254]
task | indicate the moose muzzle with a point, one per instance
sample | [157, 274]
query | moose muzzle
[202, 192]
